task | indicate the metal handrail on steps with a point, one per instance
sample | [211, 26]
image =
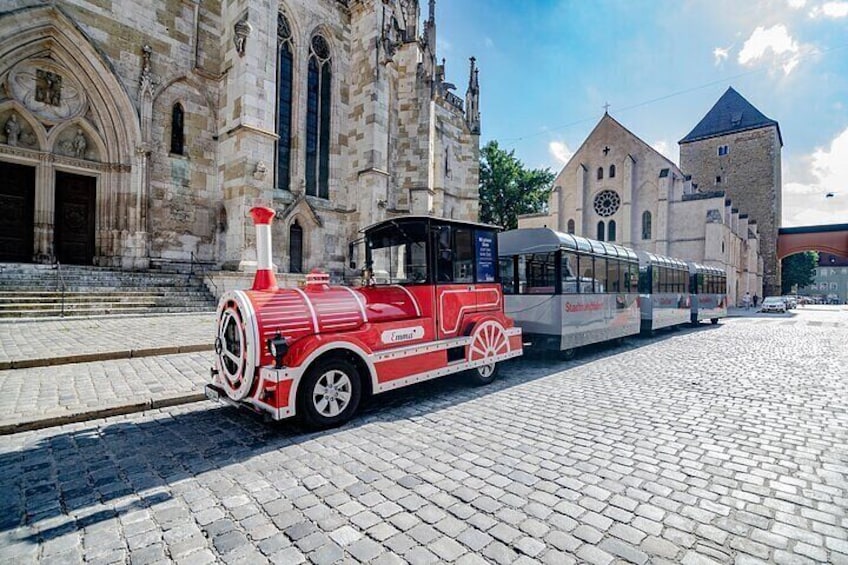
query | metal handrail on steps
[60, 284]
[202, 272]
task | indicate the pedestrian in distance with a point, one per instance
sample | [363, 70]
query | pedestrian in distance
[756, 299]
[746, 301]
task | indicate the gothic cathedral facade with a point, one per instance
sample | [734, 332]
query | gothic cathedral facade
[138, 135]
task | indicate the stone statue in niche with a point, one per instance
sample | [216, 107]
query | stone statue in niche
[260, 170]
[48, 88]
[12, 130]
[241, 30]
[79, 144]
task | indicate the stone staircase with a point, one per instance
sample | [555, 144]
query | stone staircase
[34, 291]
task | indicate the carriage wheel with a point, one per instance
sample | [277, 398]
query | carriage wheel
[487, 341]
[330, 394]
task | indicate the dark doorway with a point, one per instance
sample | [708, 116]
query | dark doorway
[74, 229]
[17, 209]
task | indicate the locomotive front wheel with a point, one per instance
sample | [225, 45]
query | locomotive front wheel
[329, 394]
[484, 374]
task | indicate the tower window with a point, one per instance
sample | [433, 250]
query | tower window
[612, 172]
[600, 231]
[600, 173]
[570, 226]
[718, 179]
[611, 231]
[723, 150]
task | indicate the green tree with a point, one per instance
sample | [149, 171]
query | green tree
[798, 269]
[507, 189]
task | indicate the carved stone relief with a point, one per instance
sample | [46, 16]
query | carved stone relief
[16, 132]
[47, 90]
[74, 142]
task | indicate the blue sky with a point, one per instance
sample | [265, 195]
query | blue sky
[547, 67]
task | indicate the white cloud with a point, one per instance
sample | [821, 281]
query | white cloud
[773, 43]
[560, 151]
[796, 4]
[805, 203]
[830, 10]
[721, 54]
[666, 149]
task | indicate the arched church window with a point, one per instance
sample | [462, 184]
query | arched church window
[295, 248]
[600, 173]
[606, 203]
[318, 119]
[570, 226]
[611, 231]
[612, 172]
[600, 231]
[285, 79]
[646, 225]
[177, 129]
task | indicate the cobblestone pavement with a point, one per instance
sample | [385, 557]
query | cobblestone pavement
[42, 339]
[50, 392]
[725, 444]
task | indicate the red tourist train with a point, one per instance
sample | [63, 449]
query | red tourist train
[430, 305]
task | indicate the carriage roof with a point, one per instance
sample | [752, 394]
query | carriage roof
[422, 218]
[546, 240]
[699, 268]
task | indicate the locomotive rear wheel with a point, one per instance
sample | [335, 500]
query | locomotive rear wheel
[329, 394]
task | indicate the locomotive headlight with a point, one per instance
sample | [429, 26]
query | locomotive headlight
[278, 347]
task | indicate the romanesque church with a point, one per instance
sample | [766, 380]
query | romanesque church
[721, 206]
[137, 134]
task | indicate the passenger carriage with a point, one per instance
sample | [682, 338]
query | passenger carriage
[430, 305]
[663, 291]
[567, 291]
[708, 293]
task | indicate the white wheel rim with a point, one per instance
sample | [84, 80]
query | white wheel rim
[332, 393]
[232, 358]
[489, 340]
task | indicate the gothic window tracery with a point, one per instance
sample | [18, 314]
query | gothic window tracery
[285, 90]
[606, 203]
[318, 118]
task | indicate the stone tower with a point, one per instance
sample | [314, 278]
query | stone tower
[736, 149]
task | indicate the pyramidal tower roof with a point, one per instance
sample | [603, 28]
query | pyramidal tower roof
[732, 113]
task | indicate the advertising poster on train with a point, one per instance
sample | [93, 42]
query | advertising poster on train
[485, 244]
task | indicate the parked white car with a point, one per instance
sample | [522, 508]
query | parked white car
[773, 304]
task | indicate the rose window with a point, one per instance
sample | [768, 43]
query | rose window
[607, 203]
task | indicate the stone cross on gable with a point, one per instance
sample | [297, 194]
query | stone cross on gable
[606, 108]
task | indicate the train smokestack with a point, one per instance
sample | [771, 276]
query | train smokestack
[265, 278]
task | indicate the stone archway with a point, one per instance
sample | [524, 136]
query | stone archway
[74, 117]
[828, 239]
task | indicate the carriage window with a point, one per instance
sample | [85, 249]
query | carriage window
[615, 275]
[655, 280]
[506, 266]
[570, 270]
[587, 279]
[600, 274]
[463, 261]
[398, 254]
[632, 278]
[538, 275]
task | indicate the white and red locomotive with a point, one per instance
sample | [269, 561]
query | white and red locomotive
[430, 305]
